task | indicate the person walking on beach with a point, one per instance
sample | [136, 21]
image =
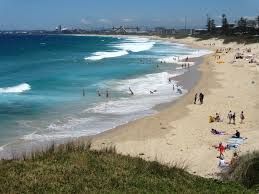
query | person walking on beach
[195, 98]
[242, 117]
[229, 117]
[201, 97]
[173, 87]
[107, 94]
[234, 118]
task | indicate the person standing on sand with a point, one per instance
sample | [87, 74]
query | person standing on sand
[221, 149]
[195, 98]
[229, 117]
[242, 117]
[201, 97]
[234, 118]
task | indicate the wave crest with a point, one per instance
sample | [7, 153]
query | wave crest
[101, 55]
[16, 89]
[126, 46]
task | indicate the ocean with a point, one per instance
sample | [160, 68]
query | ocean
[55, 87]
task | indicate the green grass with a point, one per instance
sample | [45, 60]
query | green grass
[77, 169]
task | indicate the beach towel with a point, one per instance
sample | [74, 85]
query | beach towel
[232, 146]
[218, 132]
[237, 141]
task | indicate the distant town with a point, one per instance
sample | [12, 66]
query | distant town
[121, 30]
[240, 27]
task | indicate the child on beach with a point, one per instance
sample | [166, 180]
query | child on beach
[222, 162]
[221, 148]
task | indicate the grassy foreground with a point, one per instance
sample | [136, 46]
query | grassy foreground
[76, 169]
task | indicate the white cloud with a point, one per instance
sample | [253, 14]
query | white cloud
[250, 17]
[103, 20]
[85, 21]
[127, 20]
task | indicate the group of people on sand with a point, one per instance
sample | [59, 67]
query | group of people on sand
[232, 117]
[221, 148]
[217, 118]
[200, 98]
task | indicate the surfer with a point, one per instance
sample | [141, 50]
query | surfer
[131, 92]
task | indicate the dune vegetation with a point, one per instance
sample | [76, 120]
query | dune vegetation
[78, 169]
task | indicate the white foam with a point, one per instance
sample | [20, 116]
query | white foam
[143, 85]
[69, 128]
[102, 55]
[135, 46]
[142, 101]
[123, 48]
[178, 58]
[16, 89]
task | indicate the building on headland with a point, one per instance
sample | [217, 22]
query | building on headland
[126, 30]
[164, 31]
[59, 29]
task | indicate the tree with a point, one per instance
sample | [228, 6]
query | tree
[211, 27]
[242, 24]
[225, 27]
[209, 24]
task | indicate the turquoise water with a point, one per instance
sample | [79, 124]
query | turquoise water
[42, 79]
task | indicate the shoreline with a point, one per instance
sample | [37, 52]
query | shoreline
[163, 108]
[33, 147]
[180, 134]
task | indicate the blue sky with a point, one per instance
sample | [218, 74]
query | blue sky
[47, 14]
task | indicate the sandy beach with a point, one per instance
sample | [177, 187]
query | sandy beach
[180, 134]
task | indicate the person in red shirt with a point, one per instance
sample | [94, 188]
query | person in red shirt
[221, 149]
